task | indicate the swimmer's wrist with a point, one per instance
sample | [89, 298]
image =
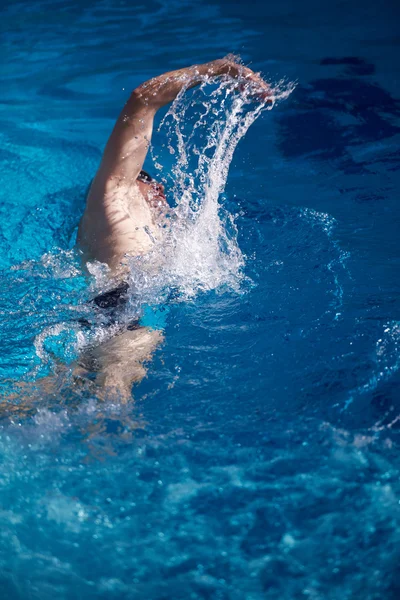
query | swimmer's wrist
[222, 66]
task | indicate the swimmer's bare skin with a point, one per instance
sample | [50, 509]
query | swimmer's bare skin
[122, 212]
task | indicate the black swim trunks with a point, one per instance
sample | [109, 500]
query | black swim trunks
[113, 299]
[111, 304]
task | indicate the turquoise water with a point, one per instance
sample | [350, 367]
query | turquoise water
[259, 457]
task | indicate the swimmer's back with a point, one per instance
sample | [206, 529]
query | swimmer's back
[117, 222]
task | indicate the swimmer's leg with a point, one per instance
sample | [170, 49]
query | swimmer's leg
[119, 362]
[106, 372]
[66, 386]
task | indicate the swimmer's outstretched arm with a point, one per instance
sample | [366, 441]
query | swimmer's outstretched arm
[162, 90]
[127, 146]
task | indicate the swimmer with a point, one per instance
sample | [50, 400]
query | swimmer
[124, 208]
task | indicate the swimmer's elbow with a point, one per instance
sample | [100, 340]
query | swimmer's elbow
[143, 100]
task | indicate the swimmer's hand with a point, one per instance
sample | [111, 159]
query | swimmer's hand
[162, 90]
[249, 81]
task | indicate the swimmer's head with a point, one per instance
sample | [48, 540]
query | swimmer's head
[144, 177]
[150, 188]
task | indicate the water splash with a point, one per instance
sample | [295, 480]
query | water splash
[198, 249]
[58, 342]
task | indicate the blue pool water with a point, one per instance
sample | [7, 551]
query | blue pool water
[259, 457]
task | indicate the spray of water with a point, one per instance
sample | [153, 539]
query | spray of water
[197, 248]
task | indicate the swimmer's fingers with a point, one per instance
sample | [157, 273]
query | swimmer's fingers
[254, 87]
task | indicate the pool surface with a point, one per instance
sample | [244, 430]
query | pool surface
[259, 458]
